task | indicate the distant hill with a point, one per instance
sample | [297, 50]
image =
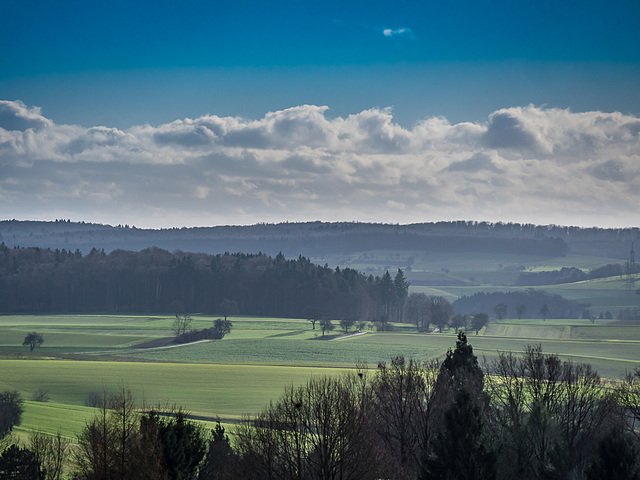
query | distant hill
[314, 239]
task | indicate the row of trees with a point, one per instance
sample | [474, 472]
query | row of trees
[155, 280]
[572, 274]
[433, 311]
[538, 303]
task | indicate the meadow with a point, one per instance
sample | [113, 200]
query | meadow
[85, 355]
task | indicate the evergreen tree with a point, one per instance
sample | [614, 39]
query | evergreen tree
[20, 464]
[459, 450]
[401, 292]
[217, 462]
[460, 367]
[616, 459]
[184, 445]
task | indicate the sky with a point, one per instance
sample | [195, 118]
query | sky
[196, 113]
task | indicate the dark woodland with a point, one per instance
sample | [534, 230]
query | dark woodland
[157, 281]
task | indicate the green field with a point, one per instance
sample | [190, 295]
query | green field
[453, 275]
[240, 374]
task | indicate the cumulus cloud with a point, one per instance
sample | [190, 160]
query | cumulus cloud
[526, 164]
[16, 116]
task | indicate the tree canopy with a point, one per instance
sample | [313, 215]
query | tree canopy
[33, 340]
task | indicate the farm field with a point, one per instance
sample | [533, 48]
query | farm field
[238, 375]
[453, 275]
[449, 268]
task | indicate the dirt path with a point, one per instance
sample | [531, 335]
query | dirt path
[146, 349]
[348, 336]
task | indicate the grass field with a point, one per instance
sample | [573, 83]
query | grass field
[240, 374]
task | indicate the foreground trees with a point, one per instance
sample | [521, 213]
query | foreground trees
[318, 431]
[529, 417]
[532, 416]
[549, 415]
[117, 443]
[122, 443]
[402, 394]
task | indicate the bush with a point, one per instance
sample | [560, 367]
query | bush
[217, 332]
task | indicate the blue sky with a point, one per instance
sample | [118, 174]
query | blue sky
[118, 65]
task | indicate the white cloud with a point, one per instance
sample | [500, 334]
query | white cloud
[397, 32]
[17, 116]
[526, 164]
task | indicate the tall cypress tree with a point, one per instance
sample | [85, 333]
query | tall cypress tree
[458, 450]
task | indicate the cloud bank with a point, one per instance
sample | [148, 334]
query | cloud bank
[525, 164]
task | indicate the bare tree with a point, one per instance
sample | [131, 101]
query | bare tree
[51, 453]
[478, 321]
[229, 307]
[629, 400]
[542, 406]
[347, 323]
[317, 431]
[326, 325]
[441, 311]
[313, 315]
[117, 443]
[401, 397]
[500, 310]
[544, 310]
[181, 324]
[417, 310]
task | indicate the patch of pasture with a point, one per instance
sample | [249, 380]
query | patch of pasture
[609, 357]
[210, 390]
[69, 420]
[286, 350]
[526, 331]
[608, 332]
[241, 373]
[51, 418]
[55, 340]
[442, 268]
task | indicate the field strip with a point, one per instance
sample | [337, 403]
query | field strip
[567, 355]
[107, 352]
[348, 336]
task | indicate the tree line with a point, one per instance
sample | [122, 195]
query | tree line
[537, 303]
[532, 416]
[573, 274]
[155, 280]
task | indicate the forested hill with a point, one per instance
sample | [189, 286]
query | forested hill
[313, 239]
